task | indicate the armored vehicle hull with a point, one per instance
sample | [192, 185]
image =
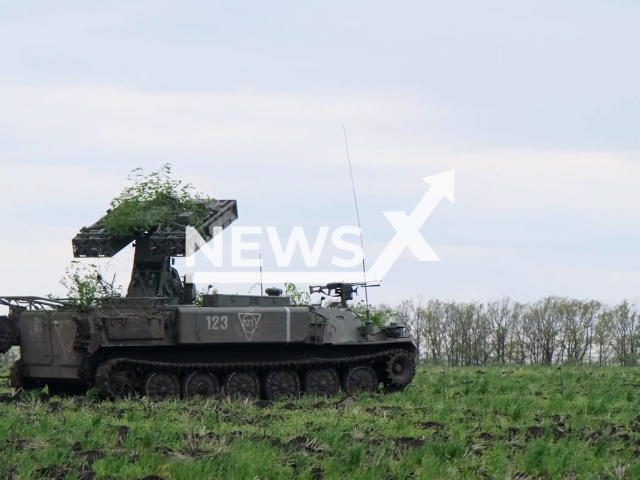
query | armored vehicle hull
[269, 349]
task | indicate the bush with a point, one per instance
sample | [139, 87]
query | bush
[152, 200]
[86, 283]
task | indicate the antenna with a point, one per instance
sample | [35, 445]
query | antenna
[261, 289]
[355, 201]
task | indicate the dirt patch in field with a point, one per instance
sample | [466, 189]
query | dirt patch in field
[383, 410]
[376, 441]
[272, 416]
[32, 444]
[54, 472]
[623, 437]
[264, 403]
[513, 432]
[303, 442]
[344, 402]
[478, 450]
[88, 456]
[316, 473]
[470, 413]
[409, 442]
[534, 432]
[298, 441]
[7, 398]
[53, 406]
[205, 436]
[170, 453]
[486, 437]
[635, 424]
[558, 432]
[433, 425]
[274, 441]
[592, 437]
[164, 451]
[79, 401]
[92, 455]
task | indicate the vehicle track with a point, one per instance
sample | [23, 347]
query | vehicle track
[106, 379]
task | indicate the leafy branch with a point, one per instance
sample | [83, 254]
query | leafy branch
[86, 283]
[152, 199]
[380, 315]
[298, 297]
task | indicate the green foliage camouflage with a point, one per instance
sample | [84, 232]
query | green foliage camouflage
[380, 315]
[298, 296]
[199, 300]
[86, 283]
[152, 199]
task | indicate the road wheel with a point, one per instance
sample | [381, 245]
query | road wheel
[323, 382]
[161, 385]
[361, 378]
[279, 384]
[242, 384]
[200, 383]
[399, 370]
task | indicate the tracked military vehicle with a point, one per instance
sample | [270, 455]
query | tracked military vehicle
[156, 342]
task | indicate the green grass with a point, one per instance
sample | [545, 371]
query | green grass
[505, 423]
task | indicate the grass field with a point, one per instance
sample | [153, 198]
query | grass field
[506, 423]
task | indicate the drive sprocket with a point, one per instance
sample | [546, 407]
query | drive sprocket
[113, 382]
[400, 369]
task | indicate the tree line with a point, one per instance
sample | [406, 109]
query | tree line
[550, 331]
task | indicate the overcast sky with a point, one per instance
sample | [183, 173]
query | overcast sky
[534, 104]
